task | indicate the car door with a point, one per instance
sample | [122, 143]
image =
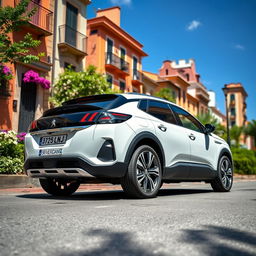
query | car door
[172, 138]
[202, 147]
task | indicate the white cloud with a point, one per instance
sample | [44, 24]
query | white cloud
[239, 47]
[121, 2]
[194, 24]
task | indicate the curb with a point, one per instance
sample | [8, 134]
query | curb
[23, 181]
[18, 181]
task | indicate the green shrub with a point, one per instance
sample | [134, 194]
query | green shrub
[244, 160]
[11, 152]
[9, 165]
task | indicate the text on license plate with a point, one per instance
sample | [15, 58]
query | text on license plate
[52, 140]
[50, 152]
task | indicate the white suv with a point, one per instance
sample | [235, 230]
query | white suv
[135, 140]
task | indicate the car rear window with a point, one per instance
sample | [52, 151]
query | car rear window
[95, 102]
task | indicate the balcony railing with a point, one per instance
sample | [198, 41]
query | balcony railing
[136, 75]
[43, 18]
[112, 59]
[71, 37]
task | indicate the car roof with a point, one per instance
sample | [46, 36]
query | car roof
[132, 95]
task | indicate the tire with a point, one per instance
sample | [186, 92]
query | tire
[144, 175]
[59, 187]
[223, 182]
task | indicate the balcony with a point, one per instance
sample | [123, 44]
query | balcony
[116, 64]
[41, 23]
[136, 77]
[72, 41]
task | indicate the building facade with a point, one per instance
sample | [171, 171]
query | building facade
[236, 101]
[22, 102]
[114, 52]
[185, 83]
[70, 40]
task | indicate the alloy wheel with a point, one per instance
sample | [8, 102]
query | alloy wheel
[226, 173]
[147, 171]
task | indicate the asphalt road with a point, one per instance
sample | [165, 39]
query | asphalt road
[182, 220]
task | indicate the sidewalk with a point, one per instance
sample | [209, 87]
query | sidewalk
[34, 187]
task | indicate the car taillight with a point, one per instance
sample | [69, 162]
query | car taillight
[112, 118]
[33, 125]
[104, 118]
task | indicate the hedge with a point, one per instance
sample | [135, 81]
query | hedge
[244, 160]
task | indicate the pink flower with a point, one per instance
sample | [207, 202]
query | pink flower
[32, 76]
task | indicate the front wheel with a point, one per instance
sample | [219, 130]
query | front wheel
[59, 187]
[223, 182]
[144, 174]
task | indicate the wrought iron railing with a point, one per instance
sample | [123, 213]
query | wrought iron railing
[136, 75]
[116, 61]
[72, 37]
[42, 18]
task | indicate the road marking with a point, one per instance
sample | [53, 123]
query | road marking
[103, 206]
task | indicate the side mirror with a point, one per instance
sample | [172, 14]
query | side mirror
[209, 128]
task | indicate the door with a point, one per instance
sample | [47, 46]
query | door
[109, 51]
[71, 25]
[202, 146]
[122, 58]
[173, 140]
[27, 105]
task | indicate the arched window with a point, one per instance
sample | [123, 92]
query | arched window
[166, 72]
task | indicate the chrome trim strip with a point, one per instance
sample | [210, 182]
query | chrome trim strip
[61, 129]
[60, 172]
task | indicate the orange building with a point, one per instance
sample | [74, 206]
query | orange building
[184, 82]
[114, 52]
[20, 102]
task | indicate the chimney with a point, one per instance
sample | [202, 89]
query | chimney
[112, 13]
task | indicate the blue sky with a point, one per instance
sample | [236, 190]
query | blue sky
[220, 35]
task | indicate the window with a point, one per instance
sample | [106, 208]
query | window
[233, 111]
[232, 97]
[161, 111]
[69, 66]
[166, 72]
[122, 85]
[122, 58]
[187, 76]
[143, 105]
[184, 96]
[4, 88]
[71, 25]
[187, 120]
[94, 32]
[110, 80]
[233, 123]
[135, 72]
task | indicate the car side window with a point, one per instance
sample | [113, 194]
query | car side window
[187, 120]
[161, 111]
[143, 105]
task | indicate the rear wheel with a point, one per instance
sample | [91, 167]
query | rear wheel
[59, 187]
[144, 174]
[224, 180]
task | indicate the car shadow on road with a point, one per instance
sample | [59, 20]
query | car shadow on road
[209, 240]
[112, 195]
[217, 241]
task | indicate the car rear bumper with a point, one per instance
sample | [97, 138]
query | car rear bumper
[71, 167]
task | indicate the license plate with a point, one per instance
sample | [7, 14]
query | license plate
[53, 140]
[50, 152]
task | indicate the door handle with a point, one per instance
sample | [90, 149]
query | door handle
[192, 136]
[162, 128]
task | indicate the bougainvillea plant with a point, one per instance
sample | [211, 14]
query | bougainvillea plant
[5, 72]
[33, 77]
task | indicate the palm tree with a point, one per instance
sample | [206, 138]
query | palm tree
[235, 134]
[251, 129]
[209, 118]
[166, 93]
